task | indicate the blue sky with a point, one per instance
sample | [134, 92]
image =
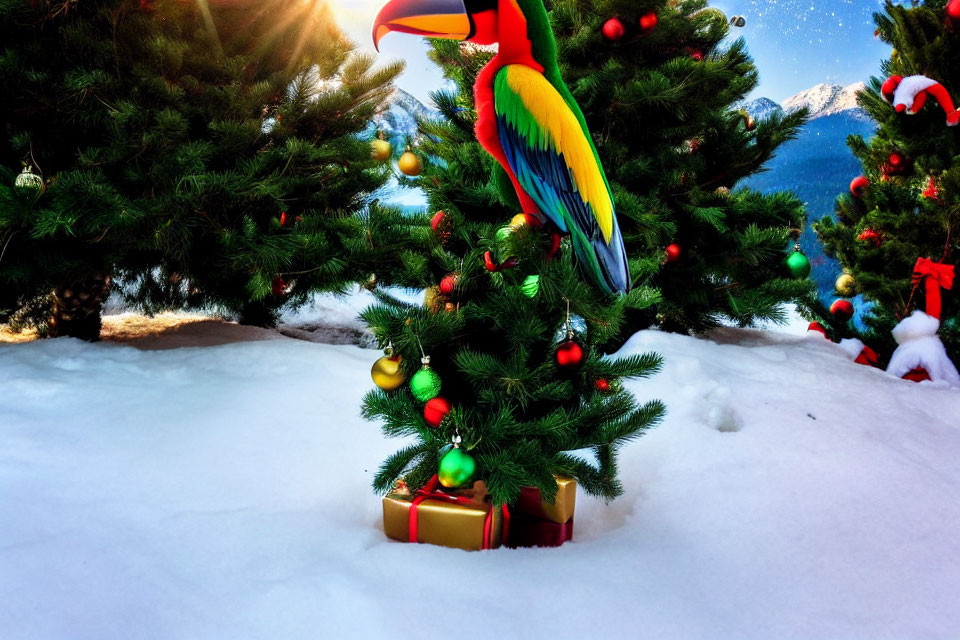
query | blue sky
[796, 43]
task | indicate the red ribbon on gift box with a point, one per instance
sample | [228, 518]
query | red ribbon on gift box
[430, 492]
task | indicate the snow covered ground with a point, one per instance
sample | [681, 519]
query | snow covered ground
[151, 489]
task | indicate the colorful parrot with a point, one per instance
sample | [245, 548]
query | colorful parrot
[528, 120]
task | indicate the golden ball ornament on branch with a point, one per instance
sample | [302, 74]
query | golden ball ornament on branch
[380, 150]
[387, 372]
[410, 163]
[846, 285]
[433, 299]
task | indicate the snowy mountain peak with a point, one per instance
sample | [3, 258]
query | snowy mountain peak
[399, 122]
[761, 108]
[825, 99]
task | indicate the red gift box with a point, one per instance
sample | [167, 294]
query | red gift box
[537, 532]
[530, 502]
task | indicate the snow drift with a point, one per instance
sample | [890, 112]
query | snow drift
[217, 492]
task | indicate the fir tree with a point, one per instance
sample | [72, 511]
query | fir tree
[64, 234]
[908, 209]
[662, 102]
[492, 331]
[222, 139]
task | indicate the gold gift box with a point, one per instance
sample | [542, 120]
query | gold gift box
[530, 503]
[443, 523]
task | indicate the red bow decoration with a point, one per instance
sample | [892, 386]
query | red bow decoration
[936, 276]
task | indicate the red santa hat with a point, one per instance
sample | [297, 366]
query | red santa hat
[910, 95]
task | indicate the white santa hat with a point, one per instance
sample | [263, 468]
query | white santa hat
[920, 347]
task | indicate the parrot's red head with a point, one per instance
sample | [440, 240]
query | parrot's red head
[890, 87]
[472, 20]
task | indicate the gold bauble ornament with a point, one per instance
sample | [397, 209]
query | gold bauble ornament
[409, 163]
[380, 150]
[846, 285]
[387, 372]
[518, 221]
[433, 299]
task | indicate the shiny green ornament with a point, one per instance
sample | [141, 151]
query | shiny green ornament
[425, 384]
[29, 182]
[798, 264]
[456, 468]
[531, 286]
[503, 234]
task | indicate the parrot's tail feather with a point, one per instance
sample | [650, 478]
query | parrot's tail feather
[605, 264]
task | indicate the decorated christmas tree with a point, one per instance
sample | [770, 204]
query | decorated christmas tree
[659, 86]
[897, 233]
[209, 154]
[499, 375]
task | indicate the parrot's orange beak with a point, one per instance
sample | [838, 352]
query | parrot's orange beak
[429, 18]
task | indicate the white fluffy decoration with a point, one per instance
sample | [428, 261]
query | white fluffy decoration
[908, 89]
[921, 347]
[852, 347]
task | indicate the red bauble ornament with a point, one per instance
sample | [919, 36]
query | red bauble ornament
[283, 218]
[613, 29]
[931, 190]
[871, 236]
[648, 22]
[842, 310]
[673, 252]
[448, 284]
[858, 185]
[897, 162]
[440, 223]
[555, 240]
[569, 354]
[602, 385]
[953, 10]
[493, 267]
[436, 410]
[278, 286]
[697, 56]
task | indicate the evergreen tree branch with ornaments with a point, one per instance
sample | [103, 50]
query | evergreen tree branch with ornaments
[660, 89]
[897, 231]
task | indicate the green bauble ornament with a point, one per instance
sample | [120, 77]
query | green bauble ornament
[456, 468]
[503, 234]
[425, 384]
[798, 264]
[531, 286]
[29, 182]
